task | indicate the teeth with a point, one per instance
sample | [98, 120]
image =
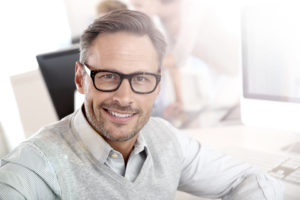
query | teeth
[119, 114]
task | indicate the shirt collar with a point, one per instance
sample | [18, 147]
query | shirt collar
[94, 143]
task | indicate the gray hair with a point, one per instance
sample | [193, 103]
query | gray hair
[123, 20]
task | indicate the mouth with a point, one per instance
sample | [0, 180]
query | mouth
[119, 116]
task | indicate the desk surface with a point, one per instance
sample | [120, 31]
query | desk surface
[239, 136]
[223, 137]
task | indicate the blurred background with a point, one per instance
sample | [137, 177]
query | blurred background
[201, 71]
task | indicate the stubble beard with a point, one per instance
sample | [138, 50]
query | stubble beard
[96, 119]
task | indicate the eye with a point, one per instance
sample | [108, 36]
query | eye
[107, 76]
[141, 78]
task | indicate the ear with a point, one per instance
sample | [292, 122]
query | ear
[79, 78]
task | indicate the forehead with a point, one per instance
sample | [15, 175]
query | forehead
[124, 52]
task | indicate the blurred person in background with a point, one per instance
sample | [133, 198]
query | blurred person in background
[102, 8]
[205, 55]
[165, 106]
[105, 6]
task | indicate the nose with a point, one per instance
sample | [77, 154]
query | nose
[124, 93]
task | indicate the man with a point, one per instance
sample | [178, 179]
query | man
[111, 148]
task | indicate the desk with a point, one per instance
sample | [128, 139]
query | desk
[228, 137]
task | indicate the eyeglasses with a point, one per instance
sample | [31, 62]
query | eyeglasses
[109, 81]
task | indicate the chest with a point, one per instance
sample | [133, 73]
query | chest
[157, 179]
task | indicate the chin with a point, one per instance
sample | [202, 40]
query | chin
[119, 136]
[114, 132]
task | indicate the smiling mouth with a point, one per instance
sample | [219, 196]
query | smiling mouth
[119, 115]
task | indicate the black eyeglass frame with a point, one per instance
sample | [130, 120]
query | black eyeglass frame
[122, 76]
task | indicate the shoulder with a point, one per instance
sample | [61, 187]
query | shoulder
[52, 135]
[33, 159]
[156, 126]
[34, 151]
[28, 164]
[30, 148]
[57, 127]
[160, 128]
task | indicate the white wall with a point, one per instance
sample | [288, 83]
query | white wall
[34, 102]
[80, 13]
[28, 28]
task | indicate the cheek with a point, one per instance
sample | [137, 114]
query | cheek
[89, 97]
[93, 99]
[146, 103]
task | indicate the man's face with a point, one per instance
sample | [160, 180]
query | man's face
[118, 115]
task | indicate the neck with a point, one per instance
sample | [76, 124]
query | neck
[124, 147]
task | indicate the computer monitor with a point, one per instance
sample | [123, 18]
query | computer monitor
[58, 70]
[271, 67]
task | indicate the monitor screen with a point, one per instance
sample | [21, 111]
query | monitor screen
[58, 70]
[271, 48]
[271, 66]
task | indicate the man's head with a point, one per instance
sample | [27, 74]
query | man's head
[122, 42]
[123, 20]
